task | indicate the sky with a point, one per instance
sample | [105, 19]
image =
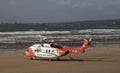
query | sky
[40, 11]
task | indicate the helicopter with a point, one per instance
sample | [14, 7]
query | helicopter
[53, 50]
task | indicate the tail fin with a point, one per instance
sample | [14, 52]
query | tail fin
[84, 45]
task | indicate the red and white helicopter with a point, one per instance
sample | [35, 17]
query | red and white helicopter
[53, 50]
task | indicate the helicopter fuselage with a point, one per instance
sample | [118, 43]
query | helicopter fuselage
[52, 50]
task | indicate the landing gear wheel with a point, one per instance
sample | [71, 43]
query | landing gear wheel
[58, 58]
[32, 58]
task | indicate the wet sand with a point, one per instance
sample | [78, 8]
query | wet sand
[104, 59]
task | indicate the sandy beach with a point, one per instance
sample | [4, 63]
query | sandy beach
[104, 59]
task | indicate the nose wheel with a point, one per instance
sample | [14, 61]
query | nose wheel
[58, 59]
[32, 58]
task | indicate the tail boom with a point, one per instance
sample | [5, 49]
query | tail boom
[81, 49]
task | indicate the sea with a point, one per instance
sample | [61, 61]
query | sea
[19, 36]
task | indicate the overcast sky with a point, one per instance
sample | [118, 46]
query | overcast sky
[58, 10]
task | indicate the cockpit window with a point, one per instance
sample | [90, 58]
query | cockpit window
[37, 50]
[52, 50]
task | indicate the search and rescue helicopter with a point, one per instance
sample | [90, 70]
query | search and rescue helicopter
[53, 50]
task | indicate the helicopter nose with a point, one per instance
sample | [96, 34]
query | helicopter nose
[26, 54]
[29, 53]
